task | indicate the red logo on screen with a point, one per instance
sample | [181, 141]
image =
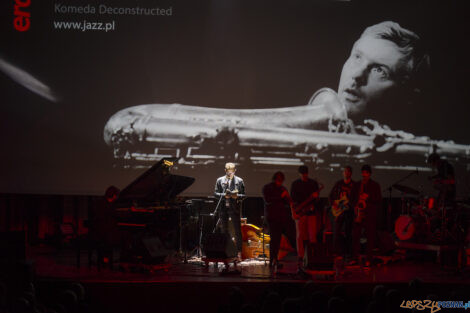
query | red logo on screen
[22, 17]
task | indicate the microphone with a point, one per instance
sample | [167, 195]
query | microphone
[226, 184]
[228, 179]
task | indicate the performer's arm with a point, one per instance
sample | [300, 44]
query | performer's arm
[354, 194]
[273, 197]
[241, 188]
[444, 177]
[293, 193]
[218, 191]
[333, 194]
[316, 191]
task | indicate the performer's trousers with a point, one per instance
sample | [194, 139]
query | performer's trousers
[369, 225]
[278, 227]
[343, 241]
[234, 215]
[306, 229]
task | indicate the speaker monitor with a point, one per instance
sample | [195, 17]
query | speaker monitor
[218, 246]
[315, 258]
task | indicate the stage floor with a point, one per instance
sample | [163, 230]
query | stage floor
[179, 287]
[53, 264]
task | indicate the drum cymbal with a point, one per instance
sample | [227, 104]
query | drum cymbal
[406, 189]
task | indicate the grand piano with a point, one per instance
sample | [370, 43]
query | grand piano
[147, 207]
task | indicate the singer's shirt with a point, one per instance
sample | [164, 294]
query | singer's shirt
[222, 183]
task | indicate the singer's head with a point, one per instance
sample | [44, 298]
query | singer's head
[230, 169]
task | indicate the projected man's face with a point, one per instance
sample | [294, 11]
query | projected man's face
[368, 72]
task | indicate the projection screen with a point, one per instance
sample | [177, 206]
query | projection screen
[95, 92]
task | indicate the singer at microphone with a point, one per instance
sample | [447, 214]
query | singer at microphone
[232, 188]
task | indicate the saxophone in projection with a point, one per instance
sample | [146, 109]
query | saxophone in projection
[319, 133]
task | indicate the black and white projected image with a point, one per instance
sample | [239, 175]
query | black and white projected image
[333, 128]
[96, 92]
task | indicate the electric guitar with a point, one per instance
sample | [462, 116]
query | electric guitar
[340, 205]
[305, 207]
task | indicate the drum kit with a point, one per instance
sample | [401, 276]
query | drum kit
[422, 219]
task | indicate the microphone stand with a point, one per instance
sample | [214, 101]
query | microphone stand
[403, 178]
[263, 233]
[389, 209]
[217, 207]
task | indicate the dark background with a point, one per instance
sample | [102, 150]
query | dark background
[227, 54]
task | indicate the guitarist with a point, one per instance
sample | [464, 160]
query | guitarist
[367, 200]
[305, 194]
[342, 213]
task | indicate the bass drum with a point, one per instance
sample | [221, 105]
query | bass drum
[408, 227]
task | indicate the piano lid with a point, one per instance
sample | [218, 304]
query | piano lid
[155, 184]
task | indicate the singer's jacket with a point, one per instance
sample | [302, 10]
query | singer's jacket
[223, 183]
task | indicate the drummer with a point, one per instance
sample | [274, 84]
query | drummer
[443, 181]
